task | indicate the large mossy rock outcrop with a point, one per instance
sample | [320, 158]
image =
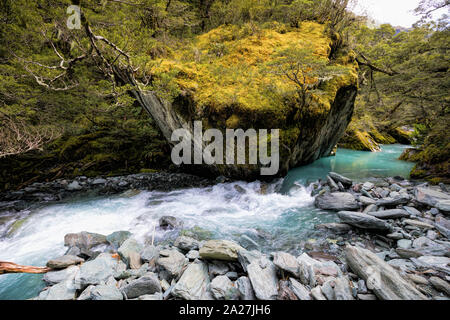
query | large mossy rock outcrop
[223, 78]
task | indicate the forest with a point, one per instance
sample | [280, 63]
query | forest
[70, 101]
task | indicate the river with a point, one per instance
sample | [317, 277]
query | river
[274, 217]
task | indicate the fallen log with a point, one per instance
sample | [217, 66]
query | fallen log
[10, 267]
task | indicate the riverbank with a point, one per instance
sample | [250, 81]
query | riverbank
[392, 242]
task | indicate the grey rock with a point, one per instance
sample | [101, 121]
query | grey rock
[54, 277]
[340, 178]
[218, 268]
[412, 211]
[317, 294]
[246, 257]
[150, 254]
[245, 288]
[368, 186]
[300, 290]
[342, 289]
[366, 200]
[129, 249]
[328, 291]
[286, 262]
[363, 221]
[186, 243]
[438, 263]
[417, 223]
[194, 282]
[193, 254]
[389, 202]
[336, 201]
[390, 214]
[220, 250]
[147, 284]
[429, 247]
[74, 186]
[170, 222]
[64, 262]
[104, 292]
[84, 240]
[338, 228]
[443, 226]
[117, 238]
[96, 271]
[370, 208]
[156, 296]
[380, 277]
[404, 243]
[440, 285]
[86, 294]
[62, 291]
[367, 297]
[223, 289]
[333, 185]
[433, 198]
[232, 275]
[402, 265]
[263, 276]
[172, 261]
[362, 288]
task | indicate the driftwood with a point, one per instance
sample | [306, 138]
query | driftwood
[10, 267]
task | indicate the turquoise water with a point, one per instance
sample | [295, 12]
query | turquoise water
[274, 217]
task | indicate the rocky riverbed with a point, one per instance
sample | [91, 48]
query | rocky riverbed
[392, 242]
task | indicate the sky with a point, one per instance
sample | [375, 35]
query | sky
[395, 12]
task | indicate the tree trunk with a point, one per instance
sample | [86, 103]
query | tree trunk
[10, 267]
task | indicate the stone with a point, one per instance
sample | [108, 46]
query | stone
[245, 288]
[116, 239]
[429, 247]
[84, 240]
[186, 243]
[286, 262]
[149, 254]
[363, 221]
[220, 250]
[64, 290]
[74, 186]
[362, 288]
[263, 276]
[172, 261]
[395, 235]
[338, 228]
[223, 289]
[402, 265]
[285, 292]
[193, 254]
[417, 223]
[340, 178]
[317, 294]
[404, 243]
[336, 201]
[370, 208]
[440, 285]
[368, 186]
[333, 185]
[148, 284]
[390, 202]
[443, 226]
[218, 268]
[432, 262]
[170, 222]
[433, 198]
[366, 200]
[86, 294]
[156, 296]
[412, 211]
[134, 260]
[380, 277]
[194, 282]
[390, 214]
[327, 290]
[342, 289]
[246, 257]
[96, 271]
[367, 297]
[104, 292]
[129, 247]
[64, 262]
[54, 277]
[300, 290]
[417, 279]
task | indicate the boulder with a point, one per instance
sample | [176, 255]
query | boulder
[194, 282]
[263, 276]
[150, 254]
[64, 262]
[104, 292]
[340, 178]
[342, 289]
[172, 261]
[431, 262]
[333, 185]
[443, 226]
[246, 257]
[390, 202]
[54, 277]
[193, 254]
[96, 271]
[220, 250]
[433, 198]
[334, 227]
[336, 201]
[428, 247]
[218, 268]
[285, 291]
[300, 290]
[380, 277]
[363, 221]
[389, 214]
[286, 262]
[64, 290]
[440, 285]
[84, 240]
[129, 248]
[170, 222]
[245, 288]
[116, 239]
[317, 294]
[148, 284]
[186, 243]
[223, 289]
[366, 200]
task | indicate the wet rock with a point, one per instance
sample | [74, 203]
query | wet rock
[390, 202]
[220, 250]
[186, 243]
[194, 282]
[116, 239]
[64, 290]
[170, 222]
[245, 288]
[336, 201]
[64, 262]
[104, 292]
[300, 290]
[286, 262]
[333, 185]
[390, 214]
[172, 261]
[148, 284]
[380, 277]
[431, 262]
[223, 289]
[417, 223]
[443, 226]
[440, 285]
[337, 177]
[84, 240]
[367, 297]
[150, 254]
[263, 276]
[74, 186]
[363, 221]
[433, 198]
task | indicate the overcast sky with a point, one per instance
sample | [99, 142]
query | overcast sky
[395, 12]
